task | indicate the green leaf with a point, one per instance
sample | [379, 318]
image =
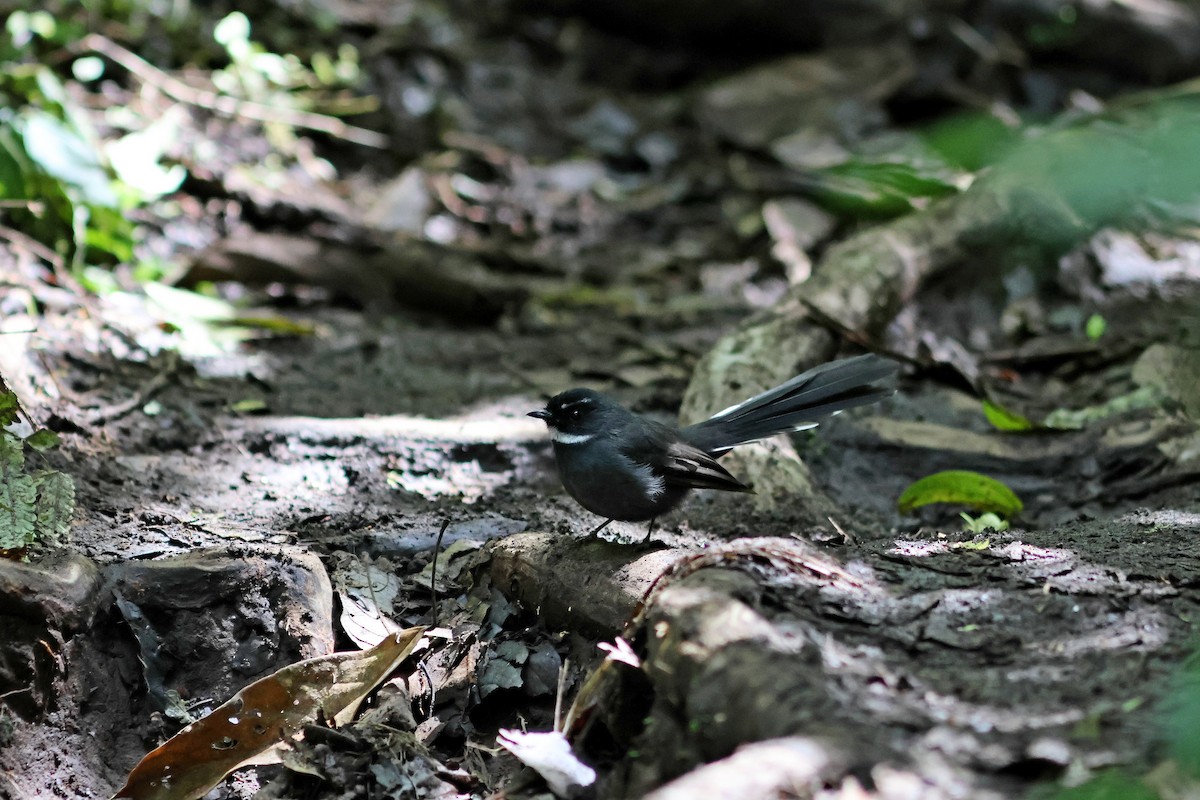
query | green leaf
[55, 506]
[136, 158]
[280, 325]
[17, 496]
[9, 409]
[972, 140]
[1109, 785]
[1003, 419]
[876, 189]
[1095, 327]
[1133, 166]
[1074, 419]
[183, 303]
[12, 174]
[984, 522]
[1181, 720]
[48, 213]
[42, 439]
[109, 231]
[251, 405]
[961, 487]
[66, 155]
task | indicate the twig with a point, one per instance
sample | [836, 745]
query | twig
[558, 696]
[846, 537]
[51, 373]
[223, 103]
[142, 396]
[19, 239]
[35, 207]
[62, 275]
[437, 547]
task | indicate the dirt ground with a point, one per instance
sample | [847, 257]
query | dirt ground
[805, 641]
[968, 666]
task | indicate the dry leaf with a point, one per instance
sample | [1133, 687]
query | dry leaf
[263, 718]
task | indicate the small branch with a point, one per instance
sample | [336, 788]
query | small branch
[225, 104]
[24, 240]
[142, 396]
[35, 207]
[433, 598]
[563, 669]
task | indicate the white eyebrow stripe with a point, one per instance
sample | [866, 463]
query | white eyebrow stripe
[576, 402]
[570, 438]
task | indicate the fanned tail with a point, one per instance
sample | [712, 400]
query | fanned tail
[797, 404]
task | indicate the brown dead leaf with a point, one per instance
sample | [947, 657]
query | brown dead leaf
[263, 718]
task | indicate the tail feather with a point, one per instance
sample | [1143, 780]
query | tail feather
[797, 404]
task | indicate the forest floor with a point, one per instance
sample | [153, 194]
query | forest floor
[243, 504]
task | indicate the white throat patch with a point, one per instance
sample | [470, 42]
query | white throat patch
[570, 438]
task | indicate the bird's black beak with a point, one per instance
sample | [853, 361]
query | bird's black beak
[541, 413]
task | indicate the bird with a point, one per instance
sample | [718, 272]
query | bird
[622, 466]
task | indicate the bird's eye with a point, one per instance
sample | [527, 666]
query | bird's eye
[575, 413]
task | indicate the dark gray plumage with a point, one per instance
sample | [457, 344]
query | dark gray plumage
[622, 466]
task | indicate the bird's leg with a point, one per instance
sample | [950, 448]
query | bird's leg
[650, 530]
[596, 531]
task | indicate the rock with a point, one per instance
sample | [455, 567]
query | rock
[742, 364]
[61, 592]
[226, 617]
[1173, 370]
[41, 605]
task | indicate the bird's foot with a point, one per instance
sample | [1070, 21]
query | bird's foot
[596, 531]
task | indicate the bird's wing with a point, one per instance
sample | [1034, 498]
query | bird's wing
[678, 463]
[685, 465]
